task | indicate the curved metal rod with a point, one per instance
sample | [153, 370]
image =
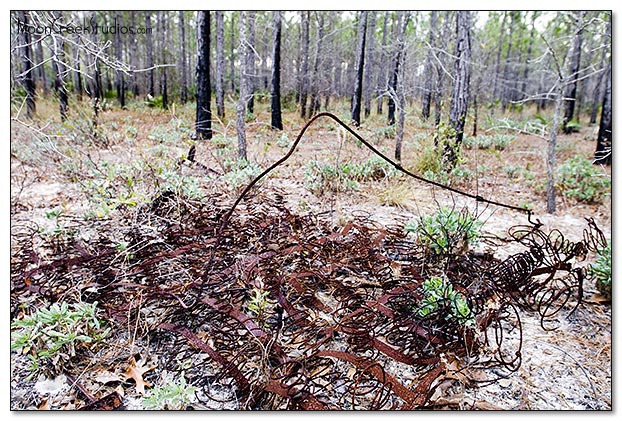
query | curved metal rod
[397, 166]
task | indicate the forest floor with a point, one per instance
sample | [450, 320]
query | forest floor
[62, 177]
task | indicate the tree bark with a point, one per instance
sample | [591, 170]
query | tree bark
[495, 88]
[164, 58]
[41, 69]
[134, 58]
[505, 92]
[58, 57]
[250, 62]
[604, 141]
[360, 63]
[244, 90]
[150, 73]
[314, 103]
[381, 82]
[183, 92]
[532, 36]
[440, 73]
[28, 80]
[429, 76]
[220, 65]
[304, 72]
[460, 94]
[599, 78]
[204, 110]
[118, 52]
[401, 24]
[232, 53]
[570, 93]
[370, 64]
[275, 86]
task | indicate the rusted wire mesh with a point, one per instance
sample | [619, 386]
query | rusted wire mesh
[283, 311]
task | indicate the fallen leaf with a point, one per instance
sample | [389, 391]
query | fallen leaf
[135, 370]
[106, 376]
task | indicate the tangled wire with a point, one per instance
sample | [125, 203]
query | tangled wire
[283, 311]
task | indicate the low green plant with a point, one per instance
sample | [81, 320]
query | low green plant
[601, 270]
[182, 185]
[172, 397]
[497, 142]
[54, 334]
[284, 141]
[439, 297]
[240, 172]
[447, 231]
[572, 126]
[580, 180]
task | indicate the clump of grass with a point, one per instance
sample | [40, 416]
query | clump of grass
[579, 180]
[396, 195]
[497, 142]
[240, 172]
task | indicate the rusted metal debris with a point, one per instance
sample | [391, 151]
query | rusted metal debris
[341, 324]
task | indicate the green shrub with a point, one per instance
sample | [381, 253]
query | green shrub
[174, 396]
[55, 334]
[498, 142]
[572, 126]
[440, 298]
[580, 180]
[447, 231]
[601, 270]
[240, 172]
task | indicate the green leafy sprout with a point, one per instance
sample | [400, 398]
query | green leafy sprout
[174, 396]
[440, 296]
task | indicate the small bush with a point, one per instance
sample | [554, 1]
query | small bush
[601, 270]
[241, 172]
[174, 396]
[447, 231]
[440, 298]
[580, 180]
[498, 142]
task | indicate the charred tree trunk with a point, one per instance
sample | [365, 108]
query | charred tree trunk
[28, 80]
[275, 86]
[78, 73]
[532, 36]
[232, 54]
[183, 90]
[134, 59]
[220, 65]
[460, 94]
[370, 64]
[118, 52]
[41, 69]
[604, 142]
[150, 72]
[570, 93]
[360, 64]
[164, 58]
[58, 60]
[204, 110]
[304, 72]
[429, 80]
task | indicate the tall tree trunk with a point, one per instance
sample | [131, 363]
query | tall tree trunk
[304, 86]
[134, 58]
[275, 86]
[604, 141]
[314, 103]
[41, 69]
[505, 91]
[78, 73]
[599, 78]
[58, 60]
[571, 86]
[360, 63]
[429, 81]
[150, 73]
[381, 81]
[118, 53]
[220, 65]
[164, 58]
[28, 80]
[232, 54]
[204, 107]
[250, 62]
[400, 94]
[440, 73]
[183, 92]
[532, 36]
[402, 22]
[370, 64]
[460, 94]
[495, 89]
[244, 89]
